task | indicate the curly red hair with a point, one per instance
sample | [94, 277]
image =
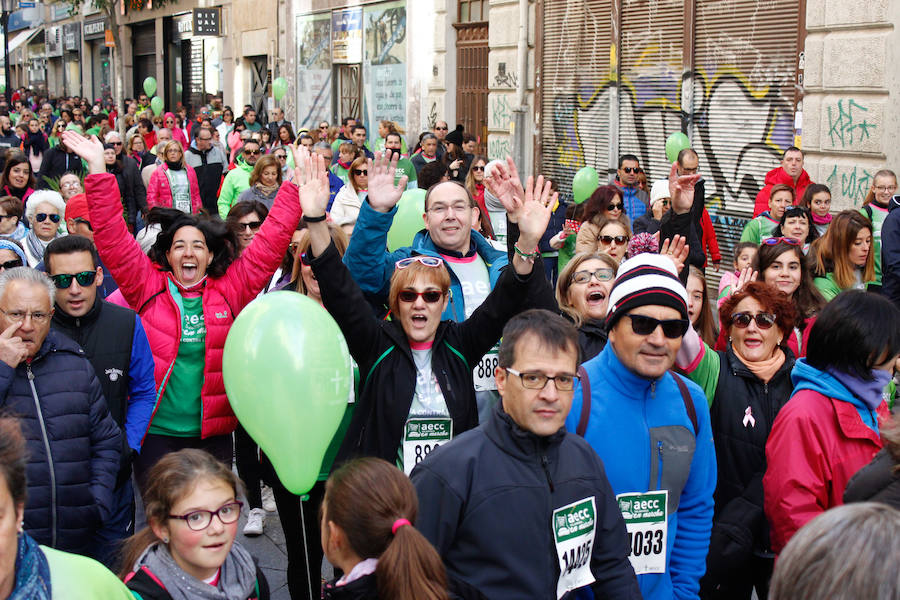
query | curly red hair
[771, 299]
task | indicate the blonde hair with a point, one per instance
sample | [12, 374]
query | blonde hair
[565, 281]
[404, 278]
[168, 145]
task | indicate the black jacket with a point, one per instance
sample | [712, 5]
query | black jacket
[73, 444]
[486, 501]
[131, 175]
[209, 167]
[386, 366]
[8, 142]
[890, 254]
[673, 224]
[645, 223]
[876, 482]
[592, 337]
[739, 523]
[55, 163]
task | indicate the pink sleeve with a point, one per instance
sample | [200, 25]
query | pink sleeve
[196, 202]
[153, 189]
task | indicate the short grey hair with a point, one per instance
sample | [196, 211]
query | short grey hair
[48, 196]
[28, 275]
[110, 136]
[842, 554]
[321, 146]
[161, 129]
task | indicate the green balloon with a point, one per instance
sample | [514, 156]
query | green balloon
[584, 183]
[178, 89]
[408, 220]
[150, 86]
[2, 88]
[156, 103]
[288, 376]
[675, 143]
[279, 88]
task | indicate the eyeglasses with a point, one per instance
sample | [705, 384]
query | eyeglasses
[885, 188]
[632, 169]
[429, 296]
[116, 143]
[601, 274]
[253, 225]
[281, 156]
[742, 320]
[538, 381]
[19, 316]
[323, 126]
[41, 217]
[11, 264]
[84, 222]
[777, 240]
[620, 240]
[443, 209]
[618, 206]
[441, 128]
[198, 520]
[671, 328]
[359, 172]
[428, 261]
[251, 152]
[63, 281]
[2, 217]
[478, 168]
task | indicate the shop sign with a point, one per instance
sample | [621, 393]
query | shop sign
[346, 36]
[53, 40]
[182, 27]
[109, 40]
[95, 30]
[70, 37]
[208, 21]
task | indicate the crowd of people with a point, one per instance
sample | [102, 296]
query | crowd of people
[550, 400]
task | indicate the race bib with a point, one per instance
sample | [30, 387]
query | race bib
[421, 436]
[573, 533]
[645, 521]
[483, 374]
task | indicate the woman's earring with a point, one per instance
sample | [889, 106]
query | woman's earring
[165, 540]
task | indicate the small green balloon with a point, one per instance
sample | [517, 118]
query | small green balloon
[584, 183]
[408, 220]
[279, 88]
[2, 88]
[178, 89]
[150, 86]
[156, 103]
[288, 376]
[675, 143]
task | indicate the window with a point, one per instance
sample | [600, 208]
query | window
[472, 11]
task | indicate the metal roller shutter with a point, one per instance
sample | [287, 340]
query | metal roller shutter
[652, 55]
[575, 88]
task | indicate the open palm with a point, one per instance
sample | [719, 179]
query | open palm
[383, 195]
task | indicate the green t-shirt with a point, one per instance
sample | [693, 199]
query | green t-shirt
[759, 229]
[180, 409]
[341, 172]
[405, 167]
[566, 252]
[877, 215]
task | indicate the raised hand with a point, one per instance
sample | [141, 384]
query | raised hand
[504, 183]
[681, 190]
[383, 194]
[12, 348]
[747, 275]
[313, 182]
[534, 213]
[677, 250]
[90, 149]
[300, 153]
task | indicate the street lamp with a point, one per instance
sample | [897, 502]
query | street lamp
[7, 8]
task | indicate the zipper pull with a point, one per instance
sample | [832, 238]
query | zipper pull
[545, 465]
[28, 370]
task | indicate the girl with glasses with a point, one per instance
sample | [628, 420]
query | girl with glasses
[746, 385]
[876, 207]
[349, 198]
[582, 292]
[44, 212]
[265, 180]
[174, 184]
[188, 548]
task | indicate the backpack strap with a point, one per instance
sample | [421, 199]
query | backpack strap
[688, 403]
[868, 210]
[585, 401]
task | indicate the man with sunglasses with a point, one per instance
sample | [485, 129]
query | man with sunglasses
[238, 179]
[440, 132]
[636, 200]
[114, 341]
[651, 428]
[209, 163]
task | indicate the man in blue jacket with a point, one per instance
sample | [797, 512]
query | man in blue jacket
[651, 428]
[890, 253]
[518, 507]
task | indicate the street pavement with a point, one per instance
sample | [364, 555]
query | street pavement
[269, 551]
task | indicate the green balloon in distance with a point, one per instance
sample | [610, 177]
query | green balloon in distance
[288, 376]
[584, 183]
[150, 86]
[675, 143]
[2, 88]
[408, 220]
[156, 103]
[178, 89]
[279, 88]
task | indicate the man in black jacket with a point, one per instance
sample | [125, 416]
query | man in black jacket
[73, 444]
[518, 507]
[131, 174]
[57, 161]
[8, 139]
[209, 163]
[685, 186]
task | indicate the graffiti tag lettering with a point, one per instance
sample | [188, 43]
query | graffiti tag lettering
[501, 112]
[844, 124]
[854, 184]
[499, 146]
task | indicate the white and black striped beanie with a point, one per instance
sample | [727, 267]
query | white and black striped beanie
[646, 279]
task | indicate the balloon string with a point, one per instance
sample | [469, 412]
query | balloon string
[306, 550]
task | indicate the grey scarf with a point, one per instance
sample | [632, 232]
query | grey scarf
[35, 245]
[237, 578]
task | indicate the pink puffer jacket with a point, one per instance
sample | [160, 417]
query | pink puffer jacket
[160, 194]
[146, 288]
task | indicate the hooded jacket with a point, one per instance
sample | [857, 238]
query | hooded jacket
[486, 502]
[160, 194]
[820, 439]
[779, 176]
[236, 181]
[637, 201]
[149, 290]
[209, 166]
[72, 443]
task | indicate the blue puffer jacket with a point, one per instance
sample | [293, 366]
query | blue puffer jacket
[72, 442]
[372, 266]
[641, 431]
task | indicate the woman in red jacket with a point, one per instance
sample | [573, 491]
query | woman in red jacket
[174, 184]
[828, 430]
[188, 293]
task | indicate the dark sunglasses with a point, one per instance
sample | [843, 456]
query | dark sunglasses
[632, 169]
[41, 217]
[478, 168]
[116, 143]
[84, 222]
[281, 156]
[742, 320]
[359, 172]
[2, 217]
[612, 207]
[620, 240]
[440, 128]
[251, 152]
[431, 296]
[64, 280]
[671, 328]
[253, 225]
[323, 126]
[11, 264]
[777, 240]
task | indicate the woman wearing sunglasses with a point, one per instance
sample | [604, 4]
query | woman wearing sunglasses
[265, 180]
[349, 198]
[844, 256]
[45, 212]
[605, 202]
[11, 254]
[417, 389]
[607, 234]
[746, 385]
[174, 184]
[582, 292]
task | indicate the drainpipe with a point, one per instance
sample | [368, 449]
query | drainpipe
[520, 113]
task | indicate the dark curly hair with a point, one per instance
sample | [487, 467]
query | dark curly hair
[771, 299]
[598, 201]
[222, 242]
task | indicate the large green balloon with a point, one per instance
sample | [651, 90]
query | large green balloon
[156, 103]
[150, 86]
[408, 220]
[279, 88]
[675, 144]
[584, 183]
[288, 376]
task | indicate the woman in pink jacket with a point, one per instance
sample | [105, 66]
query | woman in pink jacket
[170, 121]
[188, 291]
[174, 184]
